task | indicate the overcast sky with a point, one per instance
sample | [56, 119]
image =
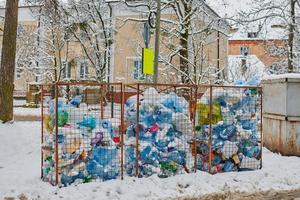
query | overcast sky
[229, 8]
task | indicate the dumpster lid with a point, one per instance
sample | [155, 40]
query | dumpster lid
[282, 78]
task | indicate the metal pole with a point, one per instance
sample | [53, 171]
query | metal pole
[261, 128]
[194, 110]
[56, 134]
[42, 126]
[218, 56]
[137, 131]
[210, 127]
[122, 130]
[157, 40]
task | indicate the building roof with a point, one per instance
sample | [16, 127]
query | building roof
[256, 31]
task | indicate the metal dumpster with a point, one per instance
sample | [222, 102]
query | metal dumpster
[281, 114]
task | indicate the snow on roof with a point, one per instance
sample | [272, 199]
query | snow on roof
[282, 76]
[268, 31]
[254, 67]
[231, 8]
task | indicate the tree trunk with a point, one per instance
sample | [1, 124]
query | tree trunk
[184, 42]
[291, 36]
[7, 69]
[183, 60]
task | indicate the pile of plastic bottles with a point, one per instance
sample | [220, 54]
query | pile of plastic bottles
[235, 139]
[164, 129]
[87, 145]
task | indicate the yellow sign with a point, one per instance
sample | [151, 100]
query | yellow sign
[148, 61]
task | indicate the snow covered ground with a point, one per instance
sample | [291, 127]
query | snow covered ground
[27, 111]
[20, 174]
[21, 112]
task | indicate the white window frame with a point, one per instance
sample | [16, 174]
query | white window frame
[83, 75]
[140, 76]
[244, 50]
[67, 70]
[18, 74]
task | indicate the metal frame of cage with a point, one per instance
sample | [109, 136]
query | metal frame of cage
[111, 92]
[235, 90]
[136, 89]
[125, 91]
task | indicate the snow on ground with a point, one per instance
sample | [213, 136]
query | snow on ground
[19, 102]
[20, 174]
[27, 111]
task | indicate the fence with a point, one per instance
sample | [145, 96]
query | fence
[101, 131]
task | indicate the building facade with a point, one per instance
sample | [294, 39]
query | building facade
[268, 43]
[125, 64]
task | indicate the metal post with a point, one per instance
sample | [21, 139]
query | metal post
[137, 130]
[218, 55]
[210, 127]
[101, 101]
[261, 124]
[122, 131]
[112, 93]
[194, 110]
[157, 40]
[56, 134]
[42, 127]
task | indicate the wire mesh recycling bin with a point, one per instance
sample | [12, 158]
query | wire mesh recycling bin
[103, 131]
[228, 128]
[81, 132]
[159, 121]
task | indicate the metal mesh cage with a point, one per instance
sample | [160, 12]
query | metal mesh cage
[159, 130]
[101, 131]
[228, 128]
[81, 137]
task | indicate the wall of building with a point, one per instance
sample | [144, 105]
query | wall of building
[129, 43]
[126, 49]
[260, 48]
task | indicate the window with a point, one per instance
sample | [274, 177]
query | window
[252, 35]
[66, 72]
[276, 51]
[18, 73]
[244, 51]
[83, 69]
[20, 29]
[138, 70]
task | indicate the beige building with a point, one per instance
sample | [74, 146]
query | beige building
[125, 64]
[268, 43]
[129, 42]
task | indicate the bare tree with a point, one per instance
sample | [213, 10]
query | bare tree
[188, 28]
[83, 22]
[285, 16]
[7, 70]
[51, 52]
[89, 22]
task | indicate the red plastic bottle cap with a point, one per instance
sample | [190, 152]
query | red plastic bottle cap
[116, 139]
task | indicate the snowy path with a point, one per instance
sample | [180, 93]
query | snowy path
[20, 172]
[268, 195]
